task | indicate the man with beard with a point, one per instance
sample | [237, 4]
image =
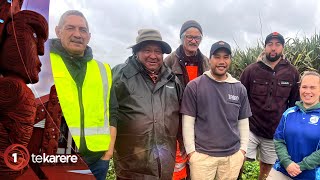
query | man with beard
[187, 62]
[215, 123]
[272, 86]
[85, 92]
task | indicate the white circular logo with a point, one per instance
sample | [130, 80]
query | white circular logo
[314, 119]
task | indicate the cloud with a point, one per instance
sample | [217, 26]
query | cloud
[114, 24]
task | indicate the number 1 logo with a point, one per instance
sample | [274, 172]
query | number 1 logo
[16, 157]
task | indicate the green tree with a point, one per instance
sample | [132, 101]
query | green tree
[303, 53]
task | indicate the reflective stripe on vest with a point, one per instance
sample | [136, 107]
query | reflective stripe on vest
[179, 166]
[95, 102]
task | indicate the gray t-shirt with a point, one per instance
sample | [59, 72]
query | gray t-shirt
[217, 107]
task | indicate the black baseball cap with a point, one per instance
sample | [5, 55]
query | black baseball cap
[219, 45]
[275, 35]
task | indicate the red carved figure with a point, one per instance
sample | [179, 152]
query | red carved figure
[53, 122]
[22, 41]
[25, 37]
[6, 9]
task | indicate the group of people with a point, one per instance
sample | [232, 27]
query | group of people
[185, 116]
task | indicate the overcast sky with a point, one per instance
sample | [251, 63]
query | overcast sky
[242, 23]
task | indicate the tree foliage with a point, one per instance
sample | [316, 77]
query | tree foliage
[303, 53]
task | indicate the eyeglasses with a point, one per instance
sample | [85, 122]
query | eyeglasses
[196, 38]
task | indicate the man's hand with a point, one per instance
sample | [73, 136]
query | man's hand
[107, 155]
[190, 154]
[243, 152]
[293, 169]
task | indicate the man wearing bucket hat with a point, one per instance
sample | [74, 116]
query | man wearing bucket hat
[272, 86]
[148, 94]
[215, 125]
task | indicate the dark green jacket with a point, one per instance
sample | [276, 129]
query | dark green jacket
[148, 122]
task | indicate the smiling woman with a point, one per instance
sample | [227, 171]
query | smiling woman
[297, 137]
[310, 89]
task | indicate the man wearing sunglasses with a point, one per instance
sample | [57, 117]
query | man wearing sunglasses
[187, 62]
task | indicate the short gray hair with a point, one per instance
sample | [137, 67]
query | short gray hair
[69, 13]
[183, 35]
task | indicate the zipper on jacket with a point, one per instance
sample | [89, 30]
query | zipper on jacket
[184, 71]
[82, 146]
[272, 89]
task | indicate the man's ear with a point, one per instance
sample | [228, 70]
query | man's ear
[58, 30]
[89, 37]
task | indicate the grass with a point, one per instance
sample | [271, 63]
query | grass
[250, 171]
[111, 173]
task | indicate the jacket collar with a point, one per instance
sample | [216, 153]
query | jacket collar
[56, 47]
[131, 68]
[229, 79]
[179, 52]
[263, 61]
[310, 109]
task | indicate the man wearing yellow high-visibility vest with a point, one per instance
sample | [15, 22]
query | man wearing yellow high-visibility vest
[84, 90]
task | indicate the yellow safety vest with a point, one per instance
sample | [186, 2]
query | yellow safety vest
[95, 101]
